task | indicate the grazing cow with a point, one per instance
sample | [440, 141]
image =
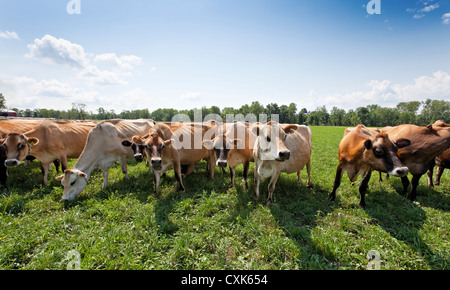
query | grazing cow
[361, 151]
[427, 143]
[233, 147]
[165, 148]
[441, 162]
[103, 148]
[47, 142]
[279, 149]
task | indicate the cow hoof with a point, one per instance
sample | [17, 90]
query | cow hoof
[309, 186]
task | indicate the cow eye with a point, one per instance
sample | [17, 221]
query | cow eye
[73, 183]
[285, 137]
[20, 146]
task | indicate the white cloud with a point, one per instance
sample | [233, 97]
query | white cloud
[58, 51]
[190, 96]
[430, 7]
[26, 92]
[386, 93]
[9, 35]
[49, 49]
[124, 62]
[446, 18]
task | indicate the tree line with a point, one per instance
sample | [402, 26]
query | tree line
[414, 112]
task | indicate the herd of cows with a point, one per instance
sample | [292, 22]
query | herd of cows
[272, 147]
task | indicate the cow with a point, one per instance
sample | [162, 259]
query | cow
[47, 142]
[233, 147]
[441, 162]
[427, 143]
[279, 149]
[19, 126]
[166, 148]
[361, 151]
[103, 148]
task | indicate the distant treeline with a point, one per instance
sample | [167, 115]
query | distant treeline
[415, 112]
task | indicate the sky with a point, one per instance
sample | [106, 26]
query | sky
[184, 54]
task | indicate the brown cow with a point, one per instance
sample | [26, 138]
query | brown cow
[47, 142]
[427, 143]
[165, 148]
[441, 162]
[361, 151]
[233, 147]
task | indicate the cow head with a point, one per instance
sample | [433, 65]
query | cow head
[381, 154]
[74, 182]
[271, 138]
[221, 146]
[153, 146]
[17, 147]
[137, 144]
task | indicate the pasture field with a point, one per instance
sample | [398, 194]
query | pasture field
[214, 227]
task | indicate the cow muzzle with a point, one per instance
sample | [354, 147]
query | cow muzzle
[139, 157]
[283, 155]
[156, 163]
[399, 172]
[222, 163]
[12, 162]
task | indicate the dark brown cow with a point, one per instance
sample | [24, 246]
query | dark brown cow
[47, 142]
[441, 163]
[426, 144]
[361, 151]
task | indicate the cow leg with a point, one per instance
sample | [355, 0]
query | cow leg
[363, 188]
[299, 177]
[257, 181]
[233, 175]
[58, 166]
[430, 173]
[414, 184]
[64, 163]
[123, 165]
[245, 173]
[271, 188]
[157, 178]
[308, 171]
[337, 182]
[189, 170]
[405, 183]
[177, 170]
[45, 168]
[439, 172]
[105, 178]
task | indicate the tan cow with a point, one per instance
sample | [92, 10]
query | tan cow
[47, 142]
[103, 148]
[280, 150]
[166, 149]
[426, 144]
[361, 151]
[233, 147]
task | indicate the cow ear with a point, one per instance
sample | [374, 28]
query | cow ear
[168, 143]
[146, 136]
[137, 140]
[368, 144]
[209, 144]
[290, 129]
[126, 143]
[32, 141]
[401, 143]
[59, 178]
[82, 174]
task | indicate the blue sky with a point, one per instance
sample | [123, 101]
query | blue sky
[126, 55]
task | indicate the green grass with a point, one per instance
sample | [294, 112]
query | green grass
[213, 227]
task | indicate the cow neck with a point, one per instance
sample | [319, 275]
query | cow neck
[86, 164]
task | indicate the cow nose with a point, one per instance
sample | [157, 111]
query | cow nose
[11, 162]
[139, 157]
[402, 171]
[156, 161]
[222, 163]
[284, 155]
